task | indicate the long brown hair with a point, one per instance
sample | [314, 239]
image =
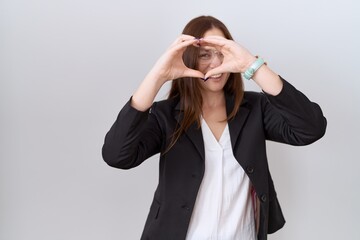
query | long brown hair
[188, 89]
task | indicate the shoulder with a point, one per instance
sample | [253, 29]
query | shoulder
[164, 106]
[252, 97]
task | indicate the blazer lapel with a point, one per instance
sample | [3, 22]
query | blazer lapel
[194, 133]
[237, 123]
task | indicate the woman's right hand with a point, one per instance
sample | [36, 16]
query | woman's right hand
[168, 67]
[171, 66]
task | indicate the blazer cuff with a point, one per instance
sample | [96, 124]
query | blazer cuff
[131, 113]
[286, 92]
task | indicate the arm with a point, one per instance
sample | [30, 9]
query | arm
[134, 137]
[238, 59]
[136, 134]
[290, 117]
[169, 66]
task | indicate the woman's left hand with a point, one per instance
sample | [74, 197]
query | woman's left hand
[236, 57]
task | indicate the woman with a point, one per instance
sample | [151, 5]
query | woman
[214, 178]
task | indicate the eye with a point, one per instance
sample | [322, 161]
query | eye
[204, 55]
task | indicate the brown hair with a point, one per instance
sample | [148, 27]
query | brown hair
[188, 89]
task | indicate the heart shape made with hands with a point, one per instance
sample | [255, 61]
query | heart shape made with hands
[234, 58]
[226, 53]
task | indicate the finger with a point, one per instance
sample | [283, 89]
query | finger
[182, 38]
[185, 43]
[214, 71]
[215, 41]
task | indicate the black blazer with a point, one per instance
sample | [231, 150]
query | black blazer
[135, 136]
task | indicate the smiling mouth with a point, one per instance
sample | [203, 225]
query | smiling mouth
[216, 76]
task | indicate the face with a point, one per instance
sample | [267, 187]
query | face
[210, 58]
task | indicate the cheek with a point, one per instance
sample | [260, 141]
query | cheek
[201, 68]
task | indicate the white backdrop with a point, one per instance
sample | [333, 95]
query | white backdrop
[67, 67]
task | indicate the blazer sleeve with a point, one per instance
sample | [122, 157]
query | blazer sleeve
[134, 137]
[290, 117]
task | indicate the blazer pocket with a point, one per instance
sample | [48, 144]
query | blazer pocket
[154, 209]
[151, 221]
[276, 217]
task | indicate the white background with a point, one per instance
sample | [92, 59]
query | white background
[67, 67]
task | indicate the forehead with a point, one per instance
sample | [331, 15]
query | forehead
[214, 32]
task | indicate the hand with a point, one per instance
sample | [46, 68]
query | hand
[236, 58]
[171, 66]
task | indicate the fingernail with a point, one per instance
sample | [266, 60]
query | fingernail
[198, 42]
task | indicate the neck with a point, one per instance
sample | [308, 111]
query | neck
[213, 99]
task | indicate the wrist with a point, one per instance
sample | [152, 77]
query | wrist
[250, 61]
[156, 78]
[253, 67]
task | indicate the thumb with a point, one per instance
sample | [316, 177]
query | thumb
[214, 71]
[193, 73]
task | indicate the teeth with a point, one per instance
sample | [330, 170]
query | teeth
[216, 76]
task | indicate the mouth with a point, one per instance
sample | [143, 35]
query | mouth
[216, 76]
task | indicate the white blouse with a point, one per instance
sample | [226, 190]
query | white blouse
[223, 208]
